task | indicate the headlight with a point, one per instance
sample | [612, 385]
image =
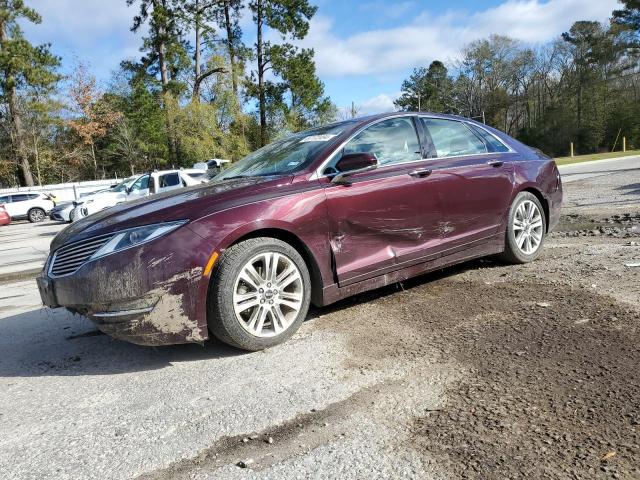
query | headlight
[136, 236]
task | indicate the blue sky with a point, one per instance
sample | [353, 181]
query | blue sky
[364, 49]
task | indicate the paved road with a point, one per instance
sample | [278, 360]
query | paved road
[24, 246]
[582, 171]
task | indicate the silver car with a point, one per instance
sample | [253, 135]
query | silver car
[62, 212]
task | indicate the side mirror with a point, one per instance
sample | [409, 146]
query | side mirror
[353, 163]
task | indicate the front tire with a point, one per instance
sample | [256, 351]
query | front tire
[525, 229]
[260, 294]
[36, 215]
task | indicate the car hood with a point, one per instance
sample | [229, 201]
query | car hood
[100, 196]
[63, 205]
[188, 203]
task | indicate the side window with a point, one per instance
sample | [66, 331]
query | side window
[141, 184]
[33, 196]
[391, 141]
[493, 144]
[169, 180]
[452, 138]
[5, 199]
[19, 198]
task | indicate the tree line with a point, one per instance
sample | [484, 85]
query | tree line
[583, 87]
[201, 89]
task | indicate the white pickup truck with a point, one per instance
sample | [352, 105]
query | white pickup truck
[142, 186]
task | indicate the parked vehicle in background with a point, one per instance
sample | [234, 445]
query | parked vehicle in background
[315, 217]
[136, 187]
[32, 206]
[62, 212]
[5, 218]
[212, 167]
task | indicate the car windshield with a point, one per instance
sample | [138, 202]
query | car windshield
[287, 155]
[122, 186]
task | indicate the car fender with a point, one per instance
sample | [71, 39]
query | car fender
[319, 268]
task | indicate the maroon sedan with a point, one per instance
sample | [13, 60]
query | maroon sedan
[315, 217]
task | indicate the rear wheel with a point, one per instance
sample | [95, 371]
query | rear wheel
[260, 294]
[525, 230]
[36, 215]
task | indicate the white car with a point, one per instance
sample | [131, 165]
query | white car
[212, 167]
[33, 206]
[137, 187]
[62, 212]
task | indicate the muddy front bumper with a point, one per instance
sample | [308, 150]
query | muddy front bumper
[154, 319]
[142, 295]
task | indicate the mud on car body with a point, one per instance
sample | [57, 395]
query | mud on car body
[315, 217]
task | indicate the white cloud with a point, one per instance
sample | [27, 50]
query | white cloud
[378, 104]
[428, 37]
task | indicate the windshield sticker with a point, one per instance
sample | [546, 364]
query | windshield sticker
[319, 138]
[292, 164]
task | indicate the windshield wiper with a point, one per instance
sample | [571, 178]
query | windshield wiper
[244, 176]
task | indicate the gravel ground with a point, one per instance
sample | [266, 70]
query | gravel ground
[481, 371]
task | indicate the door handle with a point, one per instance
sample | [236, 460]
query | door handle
[495, 163]
[421, 173]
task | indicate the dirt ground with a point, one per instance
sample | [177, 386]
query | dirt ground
[538, 363]
[482, 371]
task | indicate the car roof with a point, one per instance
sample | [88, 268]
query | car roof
[359, 122]
[40, 194]
[378, 116]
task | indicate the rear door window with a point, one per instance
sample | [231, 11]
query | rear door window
[452, 138]
[169, 180]
[19, 198]
[493, 144]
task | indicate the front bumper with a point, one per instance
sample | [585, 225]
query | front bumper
[59, 215]
[149, 295]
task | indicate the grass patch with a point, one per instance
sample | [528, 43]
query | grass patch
[595, 156]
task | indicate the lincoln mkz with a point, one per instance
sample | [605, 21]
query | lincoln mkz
[312, 218]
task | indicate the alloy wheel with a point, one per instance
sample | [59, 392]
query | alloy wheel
[36, 215]
[528, 227]
[268, 294]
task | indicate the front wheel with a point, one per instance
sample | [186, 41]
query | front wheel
[525, 230]
[36, 215]
[260, 294]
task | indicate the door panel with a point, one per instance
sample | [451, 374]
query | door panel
[474, 196]
[476, 181]
[384, 219]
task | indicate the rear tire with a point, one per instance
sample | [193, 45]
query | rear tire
[36, 215]
[526, 229]
[260, 294]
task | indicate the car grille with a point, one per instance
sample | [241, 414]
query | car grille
[70, 258]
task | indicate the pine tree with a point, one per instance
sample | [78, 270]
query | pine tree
[289, 18]
[22, 66]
